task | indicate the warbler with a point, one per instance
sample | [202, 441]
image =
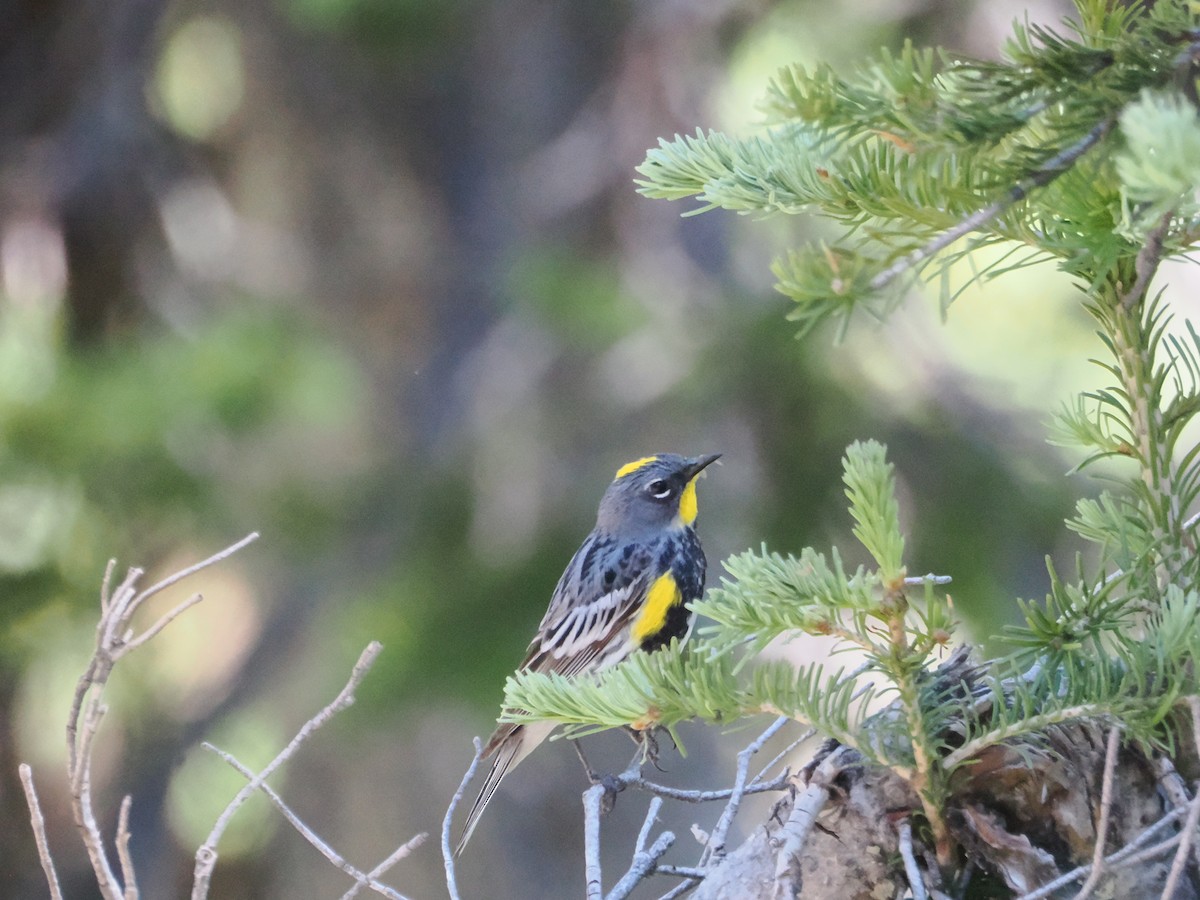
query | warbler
[627, 588]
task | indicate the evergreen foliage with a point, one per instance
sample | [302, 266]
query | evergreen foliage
[1082, 147]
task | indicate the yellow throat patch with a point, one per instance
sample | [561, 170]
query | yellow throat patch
[663, 594]
[630, 468]
[687, 504]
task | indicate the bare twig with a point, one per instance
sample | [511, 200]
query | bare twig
[362, 879]
[394, 857]
[105, 585]
[592, 799]
[1127, 855]
[800, 820]
[647, 824]
[644, 862]
[682, 872]
[673, 793]
[1172, 782]
[593, 806]
[38, 822]
[1187, 838]
[165, 620]
[679, 890]
[1106, 801]
[113, 640]
[919, 580]
[447, 850]
[122, 842]
[206, 855]
[179, 576]
[905, 841]
[714, 851]
[1175, 789]
[1136, 859]
[780, 757]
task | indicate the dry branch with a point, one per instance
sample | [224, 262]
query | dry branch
[362, 879]
[38, 822]
[115, 638]
[206, 855]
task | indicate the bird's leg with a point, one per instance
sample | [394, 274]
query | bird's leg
[587, 766]
[612, 784]
[647, 742]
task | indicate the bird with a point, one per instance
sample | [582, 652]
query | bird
[628, 587]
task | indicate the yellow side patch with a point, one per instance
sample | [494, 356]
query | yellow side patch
[687, 504]
[663, 594]
[630, 468]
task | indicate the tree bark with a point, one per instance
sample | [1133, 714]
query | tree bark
[1020, 816]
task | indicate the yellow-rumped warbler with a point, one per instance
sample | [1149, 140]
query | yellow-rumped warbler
[627, 588]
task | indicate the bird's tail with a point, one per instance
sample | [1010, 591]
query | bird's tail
[510, 744]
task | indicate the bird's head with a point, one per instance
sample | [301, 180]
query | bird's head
[653, 493]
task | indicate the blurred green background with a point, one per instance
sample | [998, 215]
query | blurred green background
[371, 277]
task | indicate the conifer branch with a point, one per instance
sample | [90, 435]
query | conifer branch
[1087, 146]
[1026, 725]
[1055, 166]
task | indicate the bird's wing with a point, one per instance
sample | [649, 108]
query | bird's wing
[597, 598]
[586, 628]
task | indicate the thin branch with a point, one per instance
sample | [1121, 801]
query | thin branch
[81, 802]
[38, 822]
[206, 855]
[362, 879]
[643, 864]
[1189, 828]
[679, 890]
[674, 793]
[1146, 264]
[800, 820]
[177, 577]
[592, 799]
[921, 580]
[1172, 782]
[1127, 855]
[1046, 173]
[447, 850]
[105, 584]
[122, 843]
[714, 851]
[1149, 853]
[905, 841]
[1034, 723]
[1106, 801]
[779, 757]
[682, 872]
[647, 824]
[396, 855]
[805, 810]
[152, 632]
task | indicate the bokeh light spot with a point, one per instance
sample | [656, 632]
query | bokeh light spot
[201, 79]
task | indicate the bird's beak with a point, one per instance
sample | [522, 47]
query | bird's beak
[698, 464]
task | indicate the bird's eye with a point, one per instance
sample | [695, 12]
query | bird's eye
[659, 489]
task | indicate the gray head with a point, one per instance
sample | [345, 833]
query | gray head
[652, 494]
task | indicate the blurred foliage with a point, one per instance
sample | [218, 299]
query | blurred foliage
[135, 446]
